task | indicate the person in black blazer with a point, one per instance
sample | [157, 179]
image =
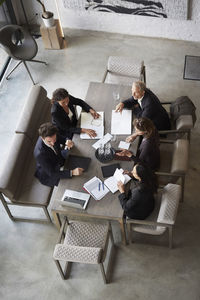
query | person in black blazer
[138, 203]
[146, 104]
[50, 158]
[148, 152]
[63, 112]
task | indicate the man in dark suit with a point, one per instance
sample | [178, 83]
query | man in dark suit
[146, 104]
[50, 158]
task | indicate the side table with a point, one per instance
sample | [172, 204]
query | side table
[52, 36]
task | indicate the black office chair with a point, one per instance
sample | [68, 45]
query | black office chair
[20, 45]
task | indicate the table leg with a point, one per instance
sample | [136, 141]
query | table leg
[57, 220]
[123, 231]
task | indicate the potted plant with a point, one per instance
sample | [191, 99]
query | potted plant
[47, 16]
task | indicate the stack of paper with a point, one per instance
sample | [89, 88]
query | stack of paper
[88, 122]
[96, 188]
[106, 138]
[111, 182]
[121, 122]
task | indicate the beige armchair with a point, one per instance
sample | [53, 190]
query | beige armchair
[124, 70]
[163, 217]
[84, 243]
[174, 162]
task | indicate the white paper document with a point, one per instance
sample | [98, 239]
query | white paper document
[124, 145]
[88, 122]
[75, 199]
[96, 188]
[111, 182]
[106, 138]
[121, 122]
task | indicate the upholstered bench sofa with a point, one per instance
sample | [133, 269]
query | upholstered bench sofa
[18, 186]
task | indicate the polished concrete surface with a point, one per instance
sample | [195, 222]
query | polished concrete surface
[146, 269]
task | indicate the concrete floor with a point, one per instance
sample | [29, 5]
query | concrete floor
[146, 269]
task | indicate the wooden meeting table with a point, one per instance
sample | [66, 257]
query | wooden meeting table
[100, 97]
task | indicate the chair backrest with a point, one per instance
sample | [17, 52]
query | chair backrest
[180, 157]
[36, 111]
[123, 70]
[25, 49]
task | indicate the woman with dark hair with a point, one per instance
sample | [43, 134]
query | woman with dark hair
[139, 201]
[63, 112]
[148, 152]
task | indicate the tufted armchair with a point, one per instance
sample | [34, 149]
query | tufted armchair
[84, 243]
[124, 70]
[163, 217]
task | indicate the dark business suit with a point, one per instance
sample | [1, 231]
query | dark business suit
[139, 203]
[61, 120]
[148, 152]
[48, 163]
[151, 108]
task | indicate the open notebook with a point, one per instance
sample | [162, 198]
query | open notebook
[88, 122]
[111, 182]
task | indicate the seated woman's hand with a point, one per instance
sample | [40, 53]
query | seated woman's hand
[126, 172]
[94, 114]
[120, 186]
[90, 132]
[69, 144]
[124, 153]
[129, 139]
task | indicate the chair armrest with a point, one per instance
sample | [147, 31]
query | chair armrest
[167, 174]
[173, 131]
[150, 223]
[70, 253]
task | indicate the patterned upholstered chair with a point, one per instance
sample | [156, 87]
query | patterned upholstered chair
[124, 70]
[163, 216]
[84, 243]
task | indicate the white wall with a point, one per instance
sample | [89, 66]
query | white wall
[124, 24]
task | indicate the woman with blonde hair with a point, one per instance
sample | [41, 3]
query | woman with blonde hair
[148, 152]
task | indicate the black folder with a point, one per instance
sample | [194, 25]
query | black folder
[75, 161]
[109, 170]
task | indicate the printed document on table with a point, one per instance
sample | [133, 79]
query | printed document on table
[96, 188]
[88, 122]
[105, 139]
[121, 122]
[111, 182]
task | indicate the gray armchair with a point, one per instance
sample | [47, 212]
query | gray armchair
[163, 217]
[84, 243]
[124, 70]
[20, 45]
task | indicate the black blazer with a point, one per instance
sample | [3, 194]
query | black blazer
[48, 163]
[61, 120]
[148, 152]
[139, 203]
[151, 108]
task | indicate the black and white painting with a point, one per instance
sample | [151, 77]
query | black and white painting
[176, 9]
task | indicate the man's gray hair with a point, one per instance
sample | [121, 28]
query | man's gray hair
[140, 84]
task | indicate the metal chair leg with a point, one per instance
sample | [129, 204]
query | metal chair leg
[28, 71]
[170, 237]
[103, 273]
[15, 67]
[39, 61]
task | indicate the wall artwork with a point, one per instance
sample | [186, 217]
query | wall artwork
[173, 9]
